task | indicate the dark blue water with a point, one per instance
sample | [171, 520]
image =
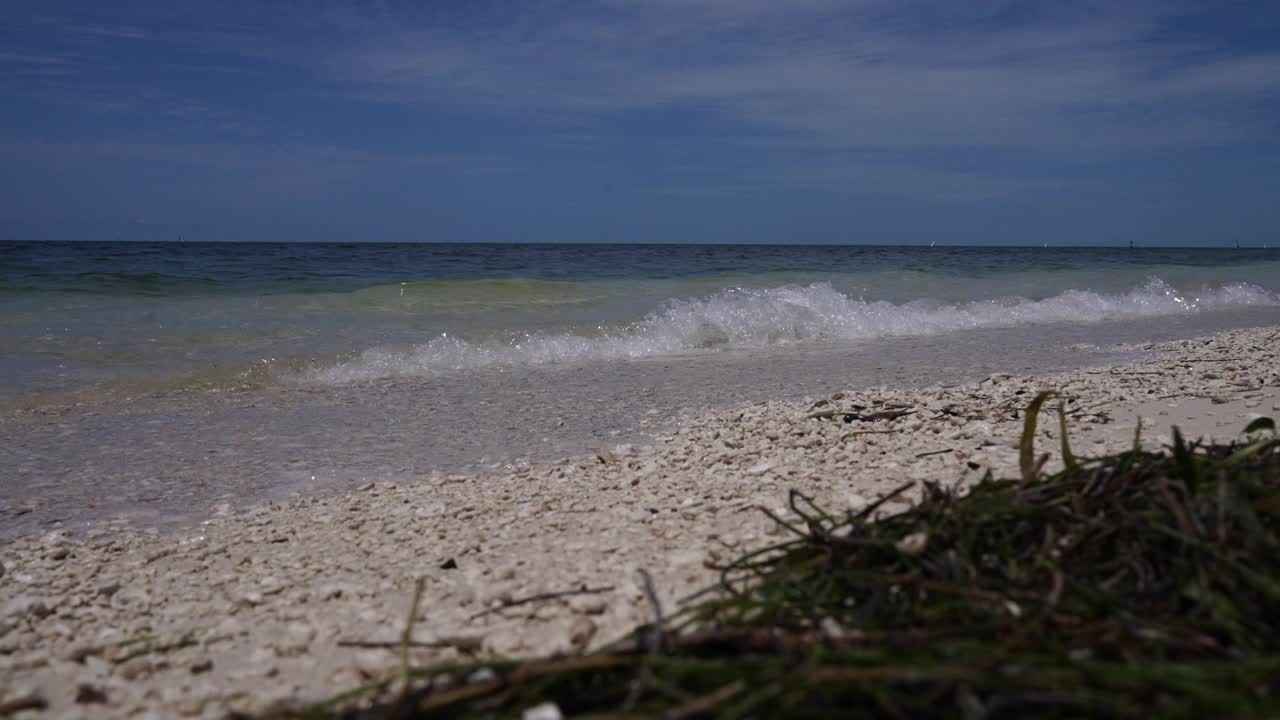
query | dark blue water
[176, 269]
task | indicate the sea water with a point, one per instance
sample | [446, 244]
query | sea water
[86, 318]
[156, 382]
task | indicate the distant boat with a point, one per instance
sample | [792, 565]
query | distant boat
[1130, 244]
[1237, 244]
[935, 242]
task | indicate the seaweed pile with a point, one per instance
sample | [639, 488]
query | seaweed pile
[1125, 586]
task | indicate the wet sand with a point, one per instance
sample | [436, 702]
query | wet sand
[266, 602]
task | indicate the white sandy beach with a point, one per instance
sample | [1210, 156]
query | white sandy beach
[267, 603]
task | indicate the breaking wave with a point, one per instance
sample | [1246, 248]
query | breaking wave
[752, 318]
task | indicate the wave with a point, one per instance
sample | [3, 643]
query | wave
[754, 318]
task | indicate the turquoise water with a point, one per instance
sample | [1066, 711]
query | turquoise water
[86, 317]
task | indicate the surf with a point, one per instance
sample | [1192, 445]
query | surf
[746, 318]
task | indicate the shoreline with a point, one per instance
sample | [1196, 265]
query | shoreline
[170, 459]
[272, 592]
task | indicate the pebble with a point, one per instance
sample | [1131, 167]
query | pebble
[295, 641]
[913, 544]
[545, 711]
[590, 605]
[581, 631]
[78, 653]
[22, 700]
[375, 663]
[135, 668]
[89, 694]
[28, 607]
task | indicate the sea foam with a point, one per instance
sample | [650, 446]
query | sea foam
[754, 318]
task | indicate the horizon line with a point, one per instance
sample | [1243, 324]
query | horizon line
[1124, 244]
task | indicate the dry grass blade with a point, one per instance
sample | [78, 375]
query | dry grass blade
[1068, 457]
[541, 597]
[1027, 446]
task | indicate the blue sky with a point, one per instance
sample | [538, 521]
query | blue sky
[866, 121]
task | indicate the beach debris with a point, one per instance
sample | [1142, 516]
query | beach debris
[26, 606]
[541, 597]
[913, 544]
[78, 653]
[581, 631]
[850, 415]
[87, 694]
[543, 711]
[1260, 423]
[470, 644]
[22, 700]
[135, 668]
[1119, 586]
[295, 640]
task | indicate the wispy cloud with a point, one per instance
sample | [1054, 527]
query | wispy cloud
[845, 73]
[33, 59]
[125, 32]
[863, 73]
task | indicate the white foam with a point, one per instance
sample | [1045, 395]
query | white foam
[746, 318]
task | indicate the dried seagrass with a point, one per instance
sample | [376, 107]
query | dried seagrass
[1133, 585]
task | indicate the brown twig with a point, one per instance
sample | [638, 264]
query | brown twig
[584, 590]
[657, 639]
[704, 704]
[407, 636]
[886, 415]
[390, 644]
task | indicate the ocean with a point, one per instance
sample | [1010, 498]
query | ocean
[152, 382]
[126, 317]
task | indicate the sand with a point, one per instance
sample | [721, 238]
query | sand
[287, 601]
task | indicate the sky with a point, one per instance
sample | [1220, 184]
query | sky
[777, 121]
